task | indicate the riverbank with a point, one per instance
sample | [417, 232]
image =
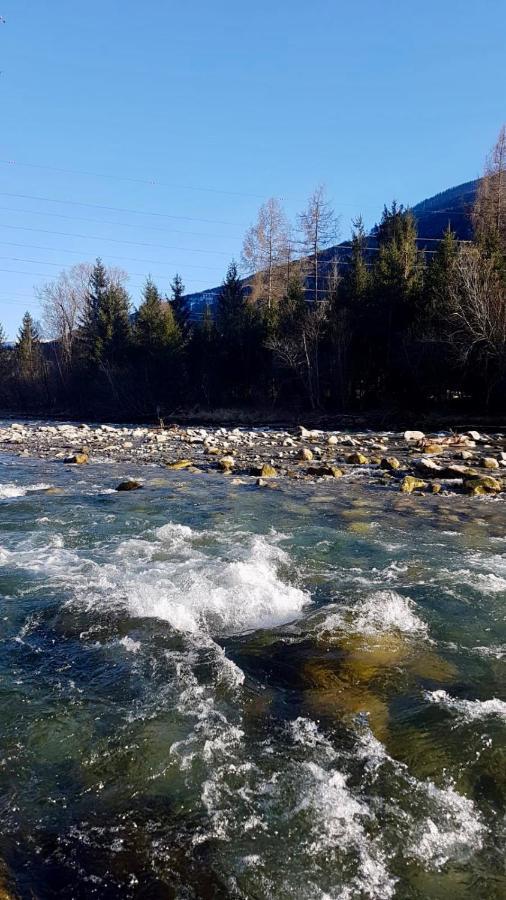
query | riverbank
[471, 462]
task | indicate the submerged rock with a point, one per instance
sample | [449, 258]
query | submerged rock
[320, 471]
[79, 459]
[179, 464]
[129, 485]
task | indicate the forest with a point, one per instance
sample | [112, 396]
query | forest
[384, 325]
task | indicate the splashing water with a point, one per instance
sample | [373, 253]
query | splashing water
[210, 690]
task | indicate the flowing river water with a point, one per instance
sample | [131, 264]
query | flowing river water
[215, 690]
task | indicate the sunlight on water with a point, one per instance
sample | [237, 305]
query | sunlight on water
[211, 690]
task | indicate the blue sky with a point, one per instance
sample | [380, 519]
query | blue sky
[196, 112]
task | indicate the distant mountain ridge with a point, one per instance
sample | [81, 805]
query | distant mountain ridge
[451, 207]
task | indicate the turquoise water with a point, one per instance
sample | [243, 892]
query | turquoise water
[211, 690]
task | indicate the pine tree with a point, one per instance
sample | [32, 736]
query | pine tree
[356, 281]
[179, 304]
[438, 281]
[230, 306]
[89, 325]
[156, 330]
[114, 330]
[28, 350]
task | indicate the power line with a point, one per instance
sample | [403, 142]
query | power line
[155, 262]
[94, 237]
[37, 212]
[122, 209]
[45, 262]
[152, 182]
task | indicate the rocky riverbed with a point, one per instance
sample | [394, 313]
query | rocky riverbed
[410, 461]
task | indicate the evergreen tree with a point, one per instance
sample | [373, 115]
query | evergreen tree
[114, 330]
[230, 306]
[93, 301]
[179, 304]
[4, 359]
[356, 280]
[437, 287]
[28, 351]
[154, 322]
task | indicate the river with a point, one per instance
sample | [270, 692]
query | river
[219, 690]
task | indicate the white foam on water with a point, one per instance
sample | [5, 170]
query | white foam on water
[453, 832]
[337, 822]
[240, 588]
[10, 491]
[440, 824]
[469, 710]
[497, 651]
[381, 611]
[129, 644]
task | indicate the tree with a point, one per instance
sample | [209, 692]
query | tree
[477, 296]
[179, 303]
[63, 304]
[154, 323]
[296, 343]
[114, 330]
[93, 300]
[357, 278]
[440, 271]
[319, 229]
[266, 252]
[230, 305]
[489, 213]
[105, 323]
[28, 350]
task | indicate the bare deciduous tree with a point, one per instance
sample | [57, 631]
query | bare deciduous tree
[489, 214]
[266, 252]
[299, 350]
[477, 296]
[319, 227]
[62, 304]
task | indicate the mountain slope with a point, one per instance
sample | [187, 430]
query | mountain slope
[433, 215]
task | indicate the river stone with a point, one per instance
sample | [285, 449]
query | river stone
[320, 471]
[264, 471]
[79, 459]
[410, 483]
[413, 437]
[179, 464]
[428, 467]
[390, 463]
[433, 449]
[488, 462]
[482, 484]
[357, 459]
[129, 485]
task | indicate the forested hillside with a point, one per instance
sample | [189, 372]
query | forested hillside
[411, 315]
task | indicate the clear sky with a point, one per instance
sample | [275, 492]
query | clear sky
[174, 120]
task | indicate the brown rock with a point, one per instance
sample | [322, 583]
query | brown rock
[79, 459]
[357, 459]
[129, 485]
[410, 483]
